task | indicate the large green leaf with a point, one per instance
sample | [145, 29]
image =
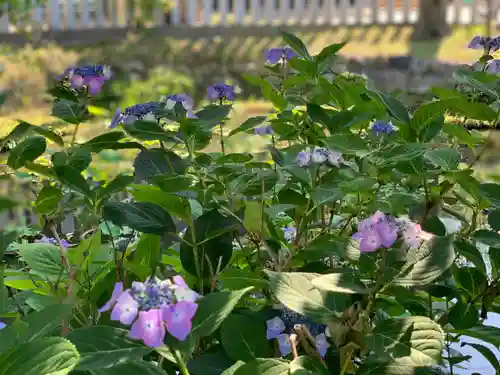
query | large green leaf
[485, 333]
[232, 370]
[487, 237]
[45, 356]
[210, 363]
[427, 263]
[151, 163]
[341, 282]
[248, 124]
[445, 158]
[28, 150]
[150, 131]
[296, 291]
[347, 143]
[486, 352]
[103, 347]
[400, 346]
[471, 253]
[69, 111]
[143, 217]
[244, 338]
[296, 44]
[48, 199]
[42, 259]
[395, 107]
[263, 366]
[491, 192]
[213, 309]
[131, 368]
[74, 180]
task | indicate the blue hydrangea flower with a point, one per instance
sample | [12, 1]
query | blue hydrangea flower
[2, 325]
[275, 327]
[275, 55]
[493, 66]
[136, 112]
[303, 158]
[381, 128]
[264, 130]
[183, 99]
[322, 344]
[53, 241]
[284, 344]
[91, 76]
[489, 45]
[221, 91]
[289, 234]
[319, 155]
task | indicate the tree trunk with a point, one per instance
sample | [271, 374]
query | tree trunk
[431, 23]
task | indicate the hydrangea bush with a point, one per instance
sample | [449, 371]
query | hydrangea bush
[332, 257]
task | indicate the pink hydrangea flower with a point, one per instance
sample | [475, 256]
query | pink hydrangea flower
[125, 309]
[117, 291]
[178, 318]
[149, 328]
[375, 232]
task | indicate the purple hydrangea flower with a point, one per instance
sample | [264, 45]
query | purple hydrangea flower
[319, 155]
[145, 111]
[322, 344]
[303, 158]
[149, 328]
[275, 327]
[275, 55]
[381, 128]
[2, 325]
[178, 318]
[264, 130]
[53, 241]
[91, 76]
[158, 306]
[221, 91]
[489, 45]
[284, 344]
[183, 99]
[493, 66]
[375, 232]
[289, 234]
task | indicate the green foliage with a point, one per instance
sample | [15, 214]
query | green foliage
[342, 223]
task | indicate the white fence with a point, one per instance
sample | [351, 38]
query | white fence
[60, 15]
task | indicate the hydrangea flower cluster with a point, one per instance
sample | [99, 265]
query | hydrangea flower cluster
[319, 155]
[53, 241]
[183, 99]
[380, 230]
[153, 308]
[90, 76]
[276, 55]
[289, 234]
[145, 111]
[382, 128]
[221, 91]
[489, 45]
[280, 328]
[264, 130]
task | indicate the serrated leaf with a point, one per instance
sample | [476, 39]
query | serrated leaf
[341, 282]
[445, 158]
[28, 150]
[74, 180]
[155, 162]
[43, 259]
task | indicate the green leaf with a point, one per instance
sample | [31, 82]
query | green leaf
[130, 368]
[47, 356]
[48, 200]
[489, 334]
[174, 184]
[487, 237]
[103, 347]
[148, 251]
[6, 203]
[494, 219]
[74, 180]
[244, 338]
[463, 315]
[434, 225]
[150, 131]
[471, 280]
[6, 238]
[21, 129]
[296, 291]
[237, 278]
[248, 125]
[252, 219]
[143, 217]
[427, 263]
[471, 253]
[296, 44]
[486, 352]
[49, 134]
[210, 247]
[395, 107]
[445, 158]
[213, 309]
[78, 158]
[306, 365]
[104, 141]
[69, 111]
[491, 192]
[401, 339]
[83, 254]
[154, 162]
[33, 326]
[119, 183]
[42, 259]
[347, 143]
[263, 366]
[28, 150]
[341, 282]
[210, 363]
[232, 370]
[256, 183]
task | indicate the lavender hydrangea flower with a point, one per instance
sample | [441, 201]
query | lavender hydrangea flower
[136, 112]
[275, 55]
[319, 155]
[376, 231]
[382, 128]
[275, 327]
[284, 344]
[264, 130]
[90, 76]
[53, 241]
[289, 234]
[221, 91]
[153, 308]
[489, 45]
[303, 158]
[183, 99]
[2, 325]
[493, 66]
[322, 344]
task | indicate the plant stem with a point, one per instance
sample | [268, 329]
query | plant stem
[73, 138]
[180, 362]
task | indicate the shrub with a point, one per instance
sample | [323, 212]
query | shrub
[355, 250]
